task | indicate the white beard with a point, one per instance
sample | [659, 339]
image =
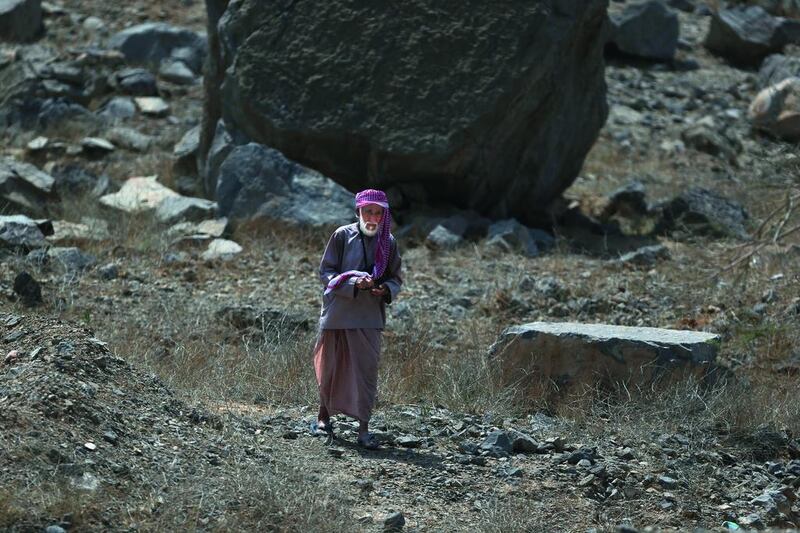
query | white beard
[363, 226]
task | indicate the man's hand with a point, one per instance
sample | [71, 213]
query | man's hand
[380, 290]
[365, 283]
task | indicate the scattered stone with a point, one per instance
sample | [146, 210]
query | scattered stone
[408, 441]
[259, 182]
[88, 230]
[704, 138]
[28, 289]
[20, 20]
[131, 139]
[119, 107]
[509, 235]
[524, 444]
[68, 260]
[628, 201]
[38, 144]
[207, 228]
[73, 179]
[138, 194]
[221, 147]
[776, 110]
[336, 452]
[647, 256]
[94, 146]
[153, 42]
[648, 29]
[23, 186]
[394, 522]
[745, 35]
[175, 209]
[108, 272]
[572, 353]
[136, 82]
[94, 24]
[19, 231]
[704, 212]
[776, 68]
[497, 442]
[176, 72]
[185, 152]
[442, 238]
[221, 249]
[55, 529]
[667, 482]
[152, 106]
[753, 521]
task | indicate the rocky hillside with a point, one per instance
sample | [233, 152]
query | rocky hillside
[155, 371]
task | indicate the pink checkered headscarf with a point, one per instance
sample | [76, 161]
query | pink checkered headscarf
[372, 196]
[383, 243]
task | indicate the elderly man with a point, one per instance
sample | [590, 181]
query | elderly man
[360, 270]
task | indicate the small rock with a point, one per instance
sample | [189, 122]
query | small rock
[442, 238]
[667, 482]
[28, 289]
[136, 82]
[221, 249]
[647, 256]
[394, 522]
[108, 271]
[152, 106]
[408, 441]
[96, 146]
[176, 72]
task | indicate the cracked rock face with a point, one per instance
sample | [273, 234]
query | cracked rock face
[365, 94]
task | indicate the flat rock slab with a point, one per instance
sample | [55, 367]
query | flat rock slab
[567, 353]
[137, 195]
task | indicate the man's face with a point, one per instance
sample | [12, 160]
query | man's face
[370, 218]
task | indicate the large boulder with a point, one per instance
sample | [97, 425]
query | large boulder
[485, 105]
[260, 182]
[648, 29]
[776, 110]
[20, 20]
[573, 354]
[746, 35]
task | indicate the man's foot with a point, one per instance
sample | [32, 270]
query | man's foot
[368, 441]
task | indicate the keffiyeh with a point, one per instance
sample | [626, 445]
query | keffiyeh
[383, 243]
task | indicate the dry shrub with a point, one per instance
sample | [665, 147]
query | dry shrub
[275, 498]
[730, 407]
[278, 499]
[208, 361]
[459, 376]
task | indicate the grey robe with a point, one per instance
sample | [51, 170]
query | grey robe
[346, 307]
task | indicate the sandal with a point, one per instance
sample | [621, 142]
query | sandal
[368, 442]
[326, 429]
